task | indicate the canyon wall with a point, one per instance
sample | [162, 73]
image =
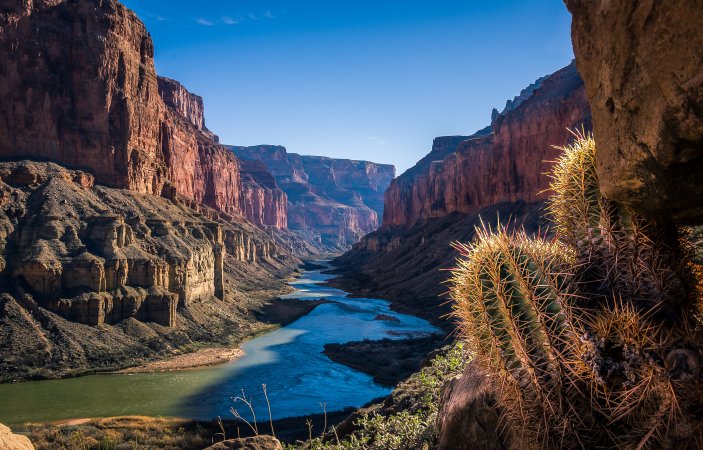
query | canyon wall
[463, 182]
[339, 199]
[80, 89]
[507, 164]
[264, 202]
[187, 104]
[641, 63]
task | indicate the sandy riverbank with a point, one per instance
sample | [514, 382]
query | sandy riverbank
[201, 358]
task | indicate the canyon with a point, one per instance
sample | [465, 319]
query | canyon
[340, 199]
[128, 232]
[496, 174]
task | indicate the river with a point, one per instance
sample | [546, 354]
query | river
[300, 379]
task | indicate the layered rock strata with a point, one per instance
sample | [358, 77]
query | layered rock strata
[98, 255]
[80, 89]
[337, 198]
[264, 203]
[504, 164]
[641, 63]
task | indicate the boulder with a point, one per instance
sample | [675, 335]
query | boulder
[468, 418]
[641, 63]
[250, 443]
[10, 441]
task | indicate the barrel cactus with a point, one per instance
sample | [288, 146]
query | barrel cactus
[619, 251]
[513, 300]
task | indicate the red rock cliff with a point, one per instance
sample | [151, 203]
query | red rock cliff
[188, 105]
[337, 198]
[466, 175]
[80, 89]
[263, 201]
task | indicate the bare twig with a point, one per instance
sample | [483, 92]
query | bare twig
[268, 404]
[236, 414]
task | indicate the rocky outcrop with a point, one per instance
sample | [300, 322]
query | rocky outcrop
[468, 418]
[641, 62]
[508, 164]
[99, 255]
[10, 441]
[339, 199]
[187, 104]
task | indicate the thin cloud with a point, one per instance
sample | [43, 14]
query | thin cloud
[204, 22]
[269, 15]
[229, 21]
[253, 16]
[376, 140]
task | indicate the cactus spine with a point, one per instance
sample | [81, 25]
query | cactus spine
[619, 251]
[513, 300]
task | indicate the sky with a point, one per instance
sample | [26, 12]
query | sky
[361, 79]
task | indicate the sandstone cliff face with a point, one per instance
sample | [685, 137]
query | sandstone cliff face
[467, 174]
[79, 88]
[641, 63]
[339, 199]
[263, 201]
[188, 105]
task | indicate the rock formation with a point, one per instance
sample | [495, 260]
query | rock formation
[339, 199]
[99, 255]
[467, 417]
[497, 172]
[264, 203]
[641, 63]
[261, 442]
[507, 165]
[80, 89]
[187, 104]
[10, 441]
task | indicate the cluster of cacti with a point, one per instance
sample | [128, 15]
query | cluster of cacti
[590, 334]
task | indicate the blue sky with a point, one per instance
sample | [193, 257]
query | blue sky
[360, 79]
